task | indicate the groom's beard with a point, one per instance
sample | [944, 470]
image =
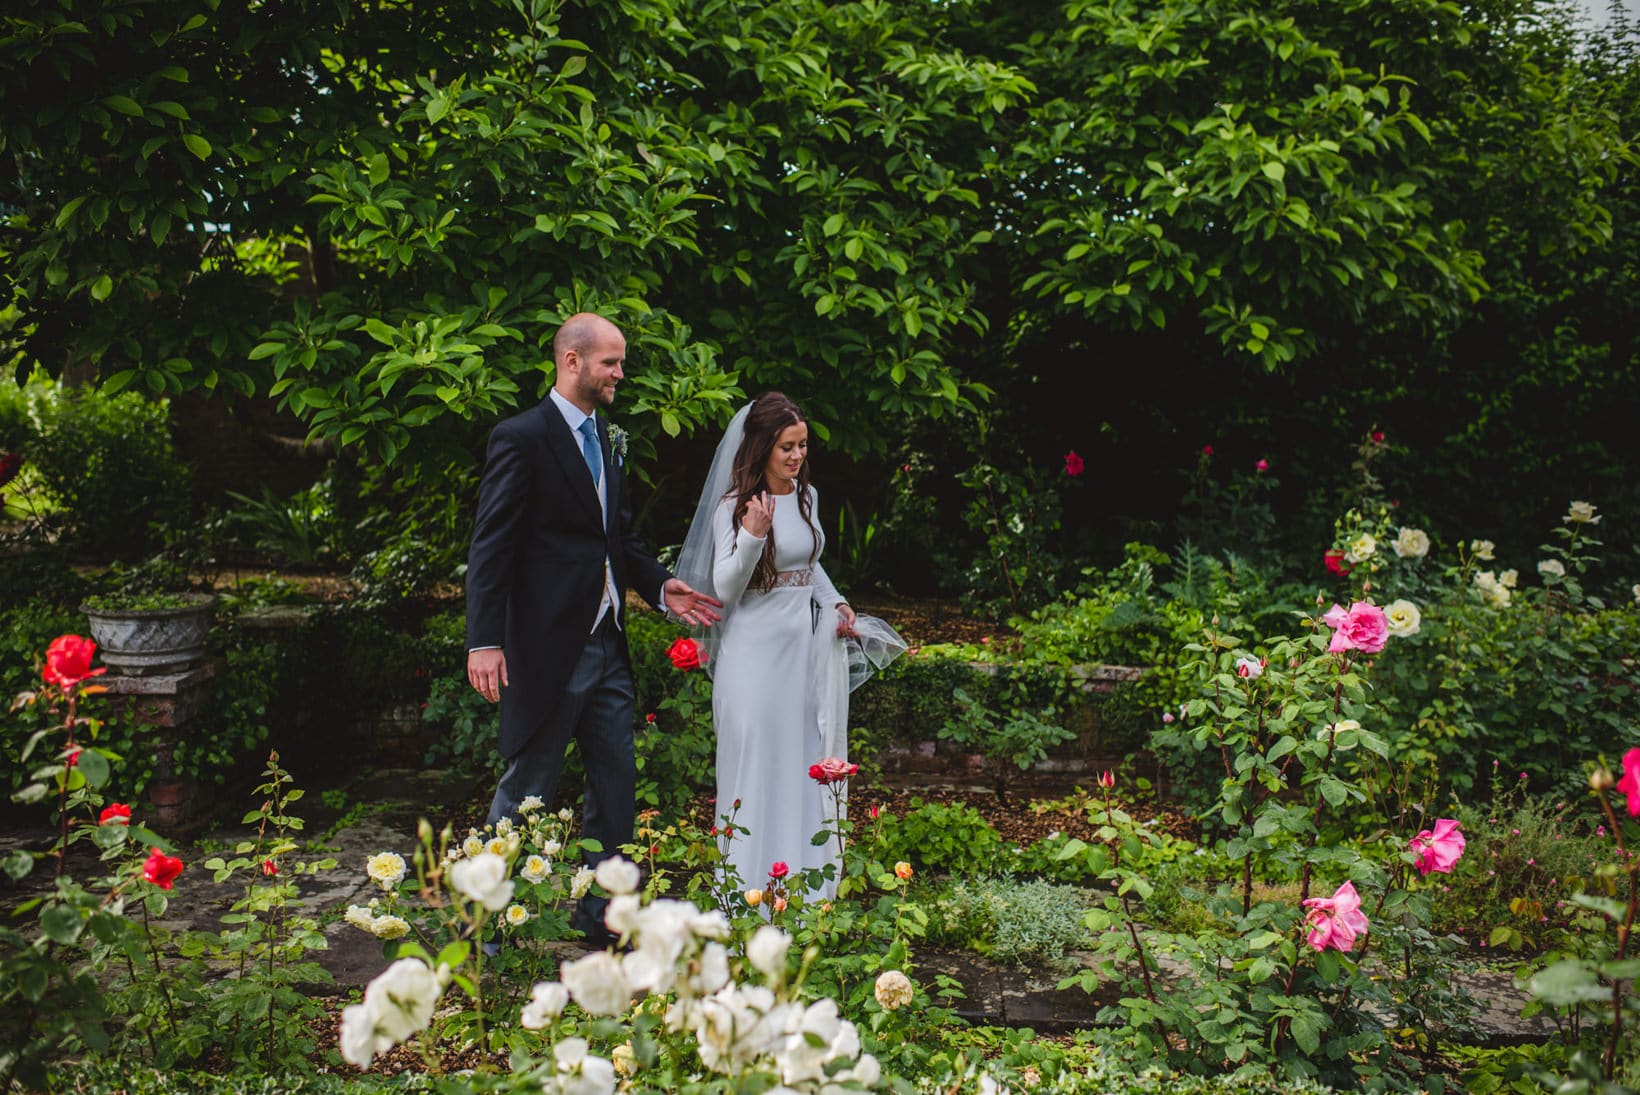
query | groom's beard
[598, 395]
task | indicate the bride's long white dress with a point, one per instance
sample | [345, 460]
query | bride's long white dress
[773, 695]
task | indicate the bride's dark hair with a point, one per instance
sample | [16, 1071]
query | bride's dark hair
[771, 413]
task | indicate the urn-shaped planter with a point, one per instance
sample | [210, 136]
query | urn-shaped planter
[144, 639]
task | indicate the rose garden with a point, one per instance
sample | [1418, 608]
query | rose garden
[1232, 408]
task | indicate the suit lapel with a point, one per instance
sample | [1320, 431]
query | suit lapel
[561, 440]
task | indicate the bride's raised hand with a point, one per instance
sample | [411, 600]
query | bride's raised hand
[759, 517]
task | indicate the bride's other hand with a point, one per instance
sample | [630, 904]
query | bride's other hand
[759, 516]
[845, 622]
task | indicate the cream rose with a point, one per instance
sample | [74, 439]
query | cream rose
[1412, 543]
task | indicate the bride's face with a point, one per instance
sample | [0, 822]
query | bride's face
[791, 448]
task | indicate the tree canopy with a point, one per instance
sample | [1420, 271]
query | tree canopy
[376, 213]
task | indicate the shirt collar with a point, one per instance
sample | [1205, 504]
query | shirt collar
[573, 415]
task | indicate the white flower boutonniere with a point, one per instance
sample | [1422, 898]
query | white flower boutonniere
[617, 445]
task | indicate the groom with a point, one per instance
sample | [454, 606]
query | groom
[553, 552]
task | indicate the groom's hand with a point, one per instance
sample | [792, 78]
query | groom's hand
[487, 673]
[687, 605]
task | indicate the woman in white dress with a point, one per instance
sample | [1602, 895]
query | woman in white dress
[789, 647]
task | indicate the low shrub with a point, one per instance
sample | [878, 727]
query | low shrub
[951, 837]
[1017, 921]
[104, 462]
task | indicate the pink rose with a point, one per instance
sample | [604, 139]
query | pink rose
[1361, 627]
[1439, 849]
[832, 770]
[1630, 783]
[1262, 465]
[1335, 921]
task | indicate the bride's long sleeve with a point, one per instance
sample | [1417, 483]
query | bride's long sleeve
[735, 556]
[825, 594]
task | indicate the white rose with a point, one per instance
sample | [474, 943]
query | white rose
[1412, 543]
[530, 804]
[402, 997]
[581, 883]
[1403, 617]
[360, 1042]
[894, 990]
[386, 868]
[766, 951]
[1334, 728]
[551, 848]
[617, 875]
[1581, 513]
[517, 916]
[712, 970]
[359, 916]
[483, 879]
[1552, 568]
[625, 1059]
[566, 814]
[535, 869]
[1482, 549]
[389, 927]
[597, 983]
[497, 845]
[547, 1002]
[621, 915]
[1249, 668]
[473, 845]
[1362, 548]
[867, 1072]
[1508, 579]
[1635, 589]
[1492, 590]
[504, 827]
[710, 925]
[592, 1076]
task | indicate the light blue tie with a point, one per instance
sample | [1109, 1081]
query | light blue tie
[589, 449]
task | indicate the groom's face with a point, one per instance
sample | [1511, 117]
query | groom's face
[600, 368]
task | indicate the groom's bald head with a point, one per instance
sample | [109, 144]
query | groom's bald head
[579, 333]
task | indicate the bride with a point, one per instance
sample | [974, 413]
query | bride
[789, 648]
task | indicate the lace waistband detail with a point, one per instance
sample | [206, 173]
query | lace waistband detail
[788, 579]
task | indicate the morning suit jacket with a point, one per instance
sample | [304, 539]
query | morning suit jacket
[535, 570]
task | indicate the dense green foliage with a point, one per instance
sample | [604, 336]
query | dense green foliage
[1300, 220]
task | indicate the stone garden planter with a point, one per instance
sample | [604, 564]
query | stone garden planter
[154, 640]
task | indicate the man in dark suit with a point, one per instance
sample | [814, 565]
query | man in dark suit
[552, 554]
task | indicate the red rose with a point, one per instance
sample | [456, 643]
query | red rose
[1334, 558]
[1074, 464]
[270, 868]
[68, 662]
[1377, 437]
[9, 464]
[832, 770]
[650, 718]
[1207, 450]
[117, 813]
[686, 655]
[874, 811]
[779, 870]
[73, 756]
[1262, 466]
[161, 869]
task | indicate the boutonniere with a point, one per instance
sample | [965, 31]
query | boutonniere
[617, 445]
